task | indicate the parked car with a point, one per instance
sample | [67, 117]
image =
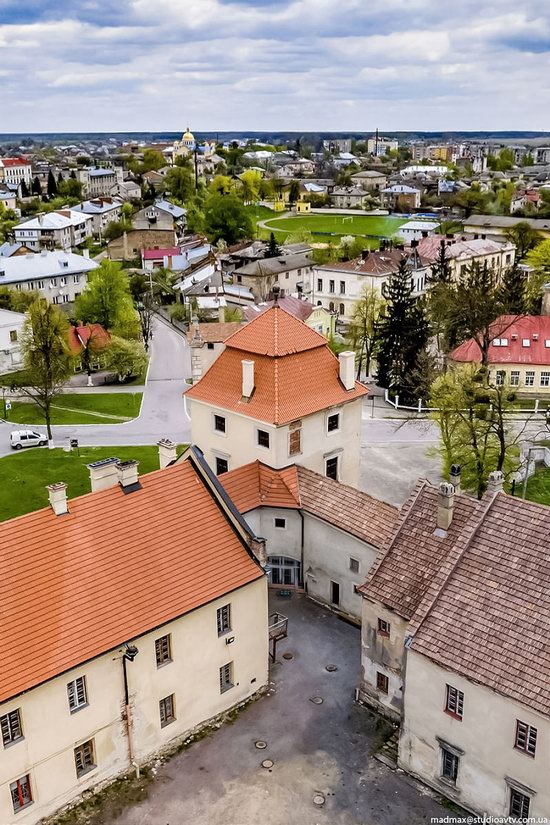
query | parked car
[27, 438]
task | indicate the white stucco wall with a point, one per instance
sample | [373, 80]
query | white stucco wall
[382, 654]
[486, 735]
[51, 731]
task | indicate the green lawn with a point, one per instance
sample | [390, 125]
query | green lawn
[76, 408]
[374, 225]
[538, 486]
[25, 474]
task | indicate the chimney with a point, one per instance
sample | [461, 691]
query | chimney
[445, 505]
[57, 494]
[496, 482]
[248, 378]
[103, 474]
[128, 476]
[347, 369]
[455, 476]
[257, 545]
[167, 452]
[221, 314]
[364, 254]
[545, 309]
[86, 253]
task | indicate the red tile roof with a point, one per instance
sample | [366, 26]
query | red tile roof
[79, 337]
[14, 162]
[295, 372]
[514, 329]
[165, 252]
[255, 484]
[116, 566]
[295, 306]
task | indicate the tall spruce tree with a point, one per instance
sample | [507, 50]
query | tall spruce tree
[512, 290]
[404, 334]
[52, 185]
[36, 186]
[272, 250]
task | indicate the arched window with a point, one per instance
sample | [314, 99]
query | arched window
[342, 309]
[331, 306]
[319, 303]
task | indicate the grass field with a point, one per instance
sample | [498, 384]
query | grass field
[24, 475]
[338, 225]
[75, 408]
[538, 486]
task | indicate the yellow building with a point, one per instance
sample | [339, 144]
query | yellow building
[186, 145]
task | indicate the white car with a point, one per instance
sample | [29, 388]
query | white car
[27, 438]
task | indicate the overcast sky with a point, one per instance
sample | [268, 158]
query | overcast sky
[126, 65]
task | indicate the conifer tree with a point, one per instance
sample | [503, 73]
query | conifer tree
[512, 290]
[52, 185]
[36, 186]
[273, 247]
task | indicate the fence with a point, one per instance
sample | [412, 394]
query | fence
[539, 408]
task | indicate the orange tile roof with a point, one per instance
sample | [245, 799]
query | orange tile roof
[115, 567]
[295, 372]
[215, 332]
[79, 336]
[255, 484]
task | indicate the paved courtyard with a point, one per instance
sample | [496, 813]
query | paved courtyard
[322, 748]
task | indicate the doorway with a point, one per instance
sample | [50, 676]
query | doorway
[335, 593]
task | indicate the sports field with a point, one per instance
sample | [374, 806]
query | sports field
[331, 225]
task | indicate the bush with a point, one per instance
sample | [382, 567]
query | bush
[178, 312]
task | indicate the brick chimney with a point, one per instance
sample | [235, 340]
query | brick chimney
[248, 378]
[57, 494]
[545, 309]
[496, 482]
[445, 505]
[347, 369]
[103, 474]
[167, 452]
[257, 545]
[128, 476]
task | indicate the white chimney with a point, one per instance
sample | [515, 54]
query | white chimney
[103, 474]
[167, 452]
[496, 482]
[128, 476]
[248, 378]
[347, 369]
[455, 476]
[57, 494]
[445, 505]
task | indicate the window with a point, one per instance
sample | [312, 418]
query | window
[280, 523]
[454, 702]
[319, 284]
[545, 378]
[263, 438]
[331, 286]
[333, 422]
[163, 650]
[342, 309]
[530, 378]
[76, 691]
[353, 565]
[331, 468]
[239, 279]
[223, 618]
[526, 342]
[519, 804]
[76, 279]
[504, 342]
[166, 710]
[342, 287]
[21, 794]
[209, 345]
[13, 335]
[222, 466]
[449, 764]
[547, 343]
[219, 423]
[295, 438]
[226, 677]
[500, 376]
[331, 306]
[526, 738]
[514, 378]
[84, 758]
[383, 627]
[335, 593]
[382, 682]
[11, 727]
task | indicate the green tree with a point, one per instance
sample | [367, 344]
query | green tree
[251, 181]
[70, 188]
[107, 300]
[364, 329]
[37, 187]
[512, 290]
[125, 358]
[403, 331]
[294, 191]
[524, 238]
[273, 249]
[221, 185]
[47, 361]
[152, 161]
[227, 218]
[180, 181]
[52, 185]
[539, 259]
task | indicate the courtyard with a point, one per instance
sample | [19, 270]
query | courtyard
[315, 749]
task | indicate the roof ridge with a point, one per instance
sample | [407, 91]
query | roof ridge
[291, 492]
[448, 567]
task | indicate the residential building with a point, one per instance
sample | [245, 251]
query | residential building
[277, 394]
[176, 633]
[370, 180]
[337, 145]
[350, 197]
[519, 353]
[99, 182]
[320, 535]
[150, 227]
[127, 190]
[462, 253]
[458, 600]
[11, 329]
[495, 227]
[8, 199]
[62, 229]
[291, 272]
[8, 250]
[416, 230]
[90, 341]
[421, 170]
[15, 170]
[316, 317]
[379, 146]
[177, 213]
[158, 257]
[207, 342]
[525, 199]
[542, 155]
[102, 211]
[58, 276]
[400, 197]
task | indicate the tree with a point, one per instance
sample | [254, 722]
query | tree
[221, 185]
[251, 180]
[37, 187]
[146, 311]
[91, 347]
[152, 160]
[179, 181]
[106, 300]
[524, 238]
[439, 299]
[512, 290]
[403, 331]
[273, 249]
[226, 217]
[70, 188]
[364, 328]
[24, 189]
[539, 259]
[294, 191]
[472, 419]
[52, 185]
[125, 358]
[46, 357]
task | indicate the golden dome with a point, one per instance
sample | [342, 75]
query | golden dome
[188, 136]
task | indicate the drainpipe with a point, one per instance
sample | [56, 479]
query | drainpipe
[130, 653]
[302, 549]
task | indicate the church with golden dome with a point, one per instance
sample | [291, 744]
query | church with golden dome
[186, 145]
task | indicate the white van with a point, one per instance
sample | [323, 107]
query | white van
[27, 438]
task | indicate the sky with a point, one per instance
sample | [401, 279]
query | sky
[300, 65]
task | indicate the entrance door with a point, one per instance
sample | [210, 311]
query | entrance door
[284, 571]
[335, 593]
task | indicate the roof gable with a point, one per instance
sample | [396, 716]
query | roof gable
[276, 333]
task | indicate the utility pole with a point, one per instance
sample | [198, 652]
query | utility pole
[195, 152]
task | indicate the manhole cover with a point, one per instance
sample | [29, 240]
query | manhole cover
[317, 700]
[331, 668]
[288, 656]
[318, 799]
[267, 763]
[260, 744]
